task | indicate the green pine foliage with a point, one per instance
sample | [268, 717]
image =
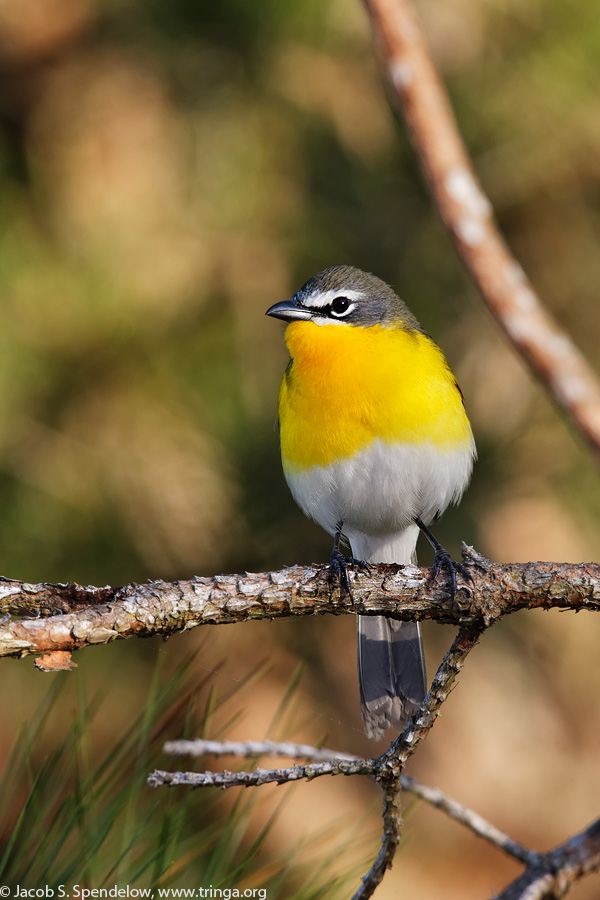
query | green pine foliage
[74, 815]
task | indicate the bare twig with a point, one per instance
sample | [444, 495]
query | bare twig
[435, 797]
[417, 729]
[102, 615]
[392, 830]
[467, 214]
[200, 747]
[244, 749]
[552, 875]
[471, 820]
[546, 877]
[387, 770]
[226, 779]
[389, 766]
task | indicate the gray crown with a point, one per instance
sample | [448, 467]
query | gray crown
[379, 303]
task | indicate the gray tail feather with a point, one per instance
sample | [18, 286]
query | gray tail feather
[391, 672]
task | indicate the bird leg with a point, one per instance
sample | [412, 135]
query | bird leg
[443, 561]
[338, 563]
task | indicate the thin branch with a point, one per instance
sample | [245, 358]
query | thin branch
[554, 874]
[387, 770]
[470, 819]
[392, 832]
[227, 779]
[467, 214]
[546, 877]
[390, 764]
[102, 615]
[200, 747]
[435, 797]
[400, 751]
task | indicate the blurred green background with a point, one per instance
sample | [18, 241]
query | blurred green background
[168, 170]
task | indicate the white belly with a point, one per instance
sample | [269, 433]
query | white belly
[380, 490]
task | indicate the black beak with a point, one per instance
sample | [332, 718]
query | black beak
[289, 311]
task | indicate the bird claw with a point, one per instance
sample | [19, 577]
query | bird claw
[338, 569]
[443, 562]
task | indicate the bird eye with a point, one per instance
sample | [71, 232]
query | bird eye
[340, 306]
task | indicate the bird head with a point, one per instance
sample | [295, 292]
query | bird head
[345, 295]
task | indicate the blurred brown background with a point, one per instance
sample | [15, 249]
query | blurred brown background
[169, 169]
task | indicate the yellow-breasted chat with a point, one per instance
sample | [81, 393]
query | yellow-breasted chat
[375, 443]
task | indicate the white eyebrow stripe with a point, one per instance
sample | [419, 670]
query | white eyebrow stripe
[325, 298]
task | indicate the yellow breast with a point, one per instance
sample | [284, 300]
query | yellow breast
[348, 385]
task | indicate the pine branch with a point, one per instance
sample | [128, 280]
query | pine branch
[69, 616]
[387, 769]
[546, 877]
[554, 874]
[467, 214]
[201, 747]
[470, 819]
[390, 765]
[226, 779]
[435, 797]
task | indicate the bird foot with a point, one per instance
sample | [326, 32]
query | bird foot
[443, 562]
[338, 569]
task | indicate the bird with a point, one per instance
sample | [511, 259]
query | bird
[375, 444]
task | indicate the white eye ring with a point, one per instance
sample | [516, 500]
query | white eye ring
[342, 310]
